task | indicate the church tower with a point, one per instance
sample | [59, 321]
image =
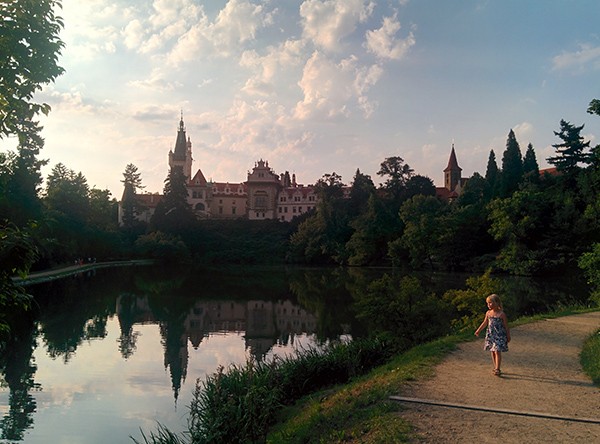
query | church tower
[452, 173]
[182, 156]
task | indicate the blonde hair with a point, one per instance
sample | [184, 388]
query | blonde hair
[495, 299]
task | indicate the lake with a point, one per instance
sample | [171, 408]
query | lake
[110, 352]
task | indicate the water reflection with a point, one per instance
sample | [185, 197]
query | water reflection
[125, 346]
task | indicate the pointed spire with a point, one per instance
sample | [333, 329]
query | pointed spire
[452, 162]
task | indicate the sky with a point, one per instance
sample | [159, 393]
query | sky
[316, 86]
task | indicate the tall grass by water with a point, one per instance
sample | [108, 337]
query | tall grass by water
[238, 404]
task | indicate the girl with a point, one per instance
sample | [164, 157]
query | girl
[497, 335]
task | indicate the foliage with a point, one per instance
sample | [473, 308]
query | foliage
[421, 217]
[30, 46]
[239, 404]
[173, 213]
[398, 173]
[17, 253]
[163, 247]
[572, 151]
[132, 181]
[358, 412]
[589, 357]
[402, 309]
[589, 262]
[470, 303]
[512, 166]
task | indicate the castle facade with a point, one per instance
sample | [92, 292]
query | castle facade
[264, 194]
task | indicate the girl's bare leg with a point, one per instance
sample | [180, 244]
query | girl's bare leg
[498, 360]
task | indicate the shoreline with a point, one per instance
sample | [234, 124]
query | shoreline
[39, 277]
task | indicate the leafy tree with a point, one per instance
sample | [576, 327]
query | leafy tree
[470, 303]
[531, 170]
[594, 107]
[589, 262]
[361, 190]
[398, 173]
[419, 185]
[421, 216]
[572, 151]
[30, 46]
[512, 166]
[373, 230]
[17, 253]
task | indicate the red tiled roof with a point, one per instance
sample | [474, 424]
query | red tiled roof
[149, 200]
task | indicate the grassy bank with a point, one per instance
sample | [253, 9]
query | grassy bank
[590, 357]
[359, 411]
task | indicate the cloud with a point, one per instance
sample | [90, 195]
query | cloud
[523, 132]
[235, 25]
[327, 23]
[155, 113]
[586, 56]
[383, 41]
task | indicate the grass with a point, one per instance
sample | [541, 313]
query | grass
[359, 411]
[590, 357]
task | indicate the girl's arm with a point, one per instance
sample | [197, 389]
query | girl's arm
[483, 325]
[505, 322]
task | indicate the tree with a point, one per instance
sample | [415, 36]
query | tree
[572, 151]
[421, 216]
[419, 185]
[173, 214]
[30, 47]
[594, 107]
[398, 173]
[132, 181]
[531, 170]
[361, 190]
[512, 166]
[492, 175]
[67, 193]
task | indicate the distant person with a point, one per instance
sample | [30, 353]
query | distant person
[497, 335]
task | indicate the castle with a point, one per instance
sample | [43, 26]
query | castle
[264, 194]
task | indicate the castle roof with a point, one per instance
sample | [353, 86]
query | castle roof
[452, 162]
[198, 180]
[180, 144]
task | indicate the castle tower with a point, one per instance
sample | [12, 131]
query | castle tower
[452, 173]
[182, 156]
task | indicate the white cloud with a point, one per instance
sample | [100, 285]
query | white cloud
[383, 41]
[327, 23]
[587, 55]
[523, 132]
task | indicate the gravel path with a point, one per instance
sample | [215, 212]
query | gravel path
[541, 373]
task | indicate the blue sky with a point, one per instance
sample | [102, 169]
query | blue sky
[316, 86]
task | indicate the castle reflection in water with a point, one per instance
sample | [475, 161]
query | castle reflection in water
[263, 324]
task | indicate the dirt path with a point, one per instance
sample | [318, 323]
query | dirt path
[541, 373]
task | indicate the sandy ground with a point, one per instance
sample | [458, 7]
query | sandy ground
[541, 373]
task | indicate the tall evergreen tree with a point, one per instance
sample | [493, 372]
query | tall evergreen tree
[573, 151]
[512, 166]
[492, 175]
[173, 213]
[130, 206]
[531, 170]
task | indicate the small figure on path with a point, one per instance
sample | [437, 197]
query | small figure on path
[497, 335]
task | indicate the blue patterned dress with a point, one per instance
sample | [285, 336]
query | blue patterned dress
[495, 336]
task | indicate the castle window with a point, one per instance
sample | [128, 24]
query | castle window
[233, 210]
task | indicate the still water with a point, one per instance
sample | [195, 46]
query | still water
[115, 351]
